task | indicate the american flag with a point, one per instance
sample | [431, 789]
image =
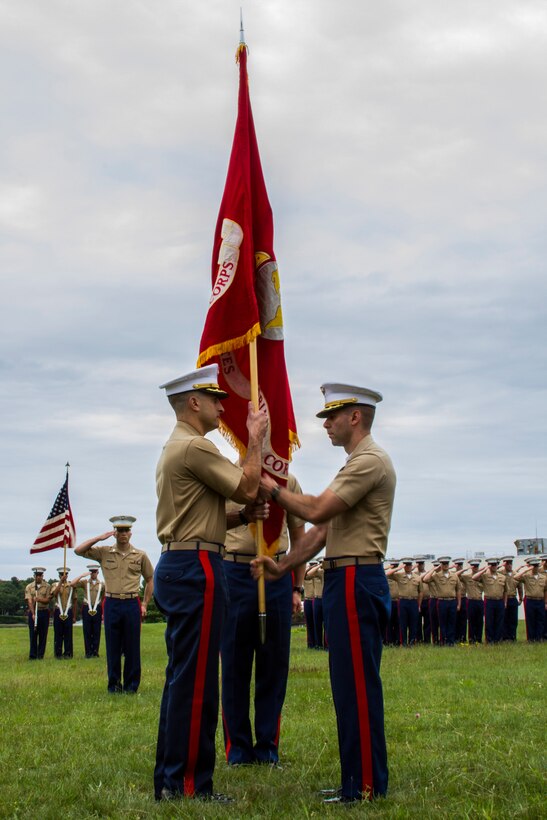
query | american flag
[59, 527]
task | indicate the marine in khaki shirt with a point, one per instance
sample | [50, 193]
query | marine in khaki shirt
[122, 565]
[473, 589]
[352, 519]
[241, 649]
[62, 593]
[409, 584]
[192, 503]
[37, 596]
[92, 586]
[494, 583]
[534, 582]
[38, 591]
[443, 584]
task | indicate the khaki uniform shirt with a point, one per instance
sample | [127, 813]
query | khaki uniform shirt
[308, 588]
[367, 485]
[193, 481]
[63, 594]
[473, 589]
[426, 594]
[409, 586]
[122, 570]
[534, 585]
[93, 591]
[393, 588]
[431, 585]
[242, 539]
[493, 585]
[44, 591]
[447, 585]
[511, 584]
[318, 583]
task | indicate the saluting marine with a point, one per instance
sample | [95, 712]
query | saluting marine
[409, 600]
[461, 617]
[308, 606]
[122, 565]
[535, 599]
[391, 635]
[513, 589]
[424, 622]
[317, 575]
[494, 587]
[448, 598]
[37, 596]
[474, 602]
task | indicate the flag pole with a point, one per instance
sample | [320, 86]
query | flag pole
[259, 524]
[253, 362]
[67, 465]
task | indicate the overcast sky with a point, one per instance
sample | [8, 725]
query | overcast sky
[404, 150]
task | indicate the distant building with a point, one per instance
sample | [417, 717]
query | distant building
[531, 546]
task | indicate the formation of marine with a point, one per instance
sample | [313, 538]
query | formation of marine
[453, 601]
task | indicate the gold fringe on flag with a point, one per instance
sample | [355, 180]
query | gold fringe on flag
[229, 345]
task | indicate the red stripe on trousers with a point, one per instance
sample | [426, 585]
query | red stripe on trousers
[484, 609]
[201, 670]
[360, 684]
[227, 741]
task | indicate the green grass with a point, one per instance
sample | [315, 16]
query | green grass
[465, 730]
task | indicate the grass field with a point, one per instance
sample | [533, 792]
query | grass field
[465, 729]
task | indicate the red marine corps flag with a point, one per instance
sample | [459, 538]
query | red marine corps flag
[245, 306]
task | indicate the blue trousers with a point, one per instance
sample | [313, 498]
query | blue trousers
[475, 619]
[62, 634]
[434, 620]
[391, 635]
[92, 630]
[494, 614]
[461, 622]
[122, 632]
[357, 605]
[408, 621]
[239, 647]
[424, 624]
[190, 590]
[511, 619]
[38, 636]
[318, 624]
[310, 628]
[446, 612]
[534, 612]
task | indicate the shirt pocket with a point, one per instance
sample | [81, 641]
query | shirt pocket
[111, 563]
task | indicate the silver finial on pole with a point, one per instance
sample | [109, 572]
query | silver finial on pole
[241, 31]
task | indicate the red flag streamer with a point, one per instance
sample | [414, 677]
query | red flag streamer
[245, 305]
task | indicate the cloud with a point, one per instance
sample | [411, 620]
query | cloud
[403, 150]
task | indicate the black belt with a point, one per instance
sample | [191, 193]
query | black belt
[403, 598]
[121, 596]
[197, 546]
[247, 557]
[350, 561]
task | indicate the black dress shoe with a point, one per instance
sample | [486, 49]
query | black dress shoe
[340, 798]
[213, 797]
[330, 792]
[167, 794]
